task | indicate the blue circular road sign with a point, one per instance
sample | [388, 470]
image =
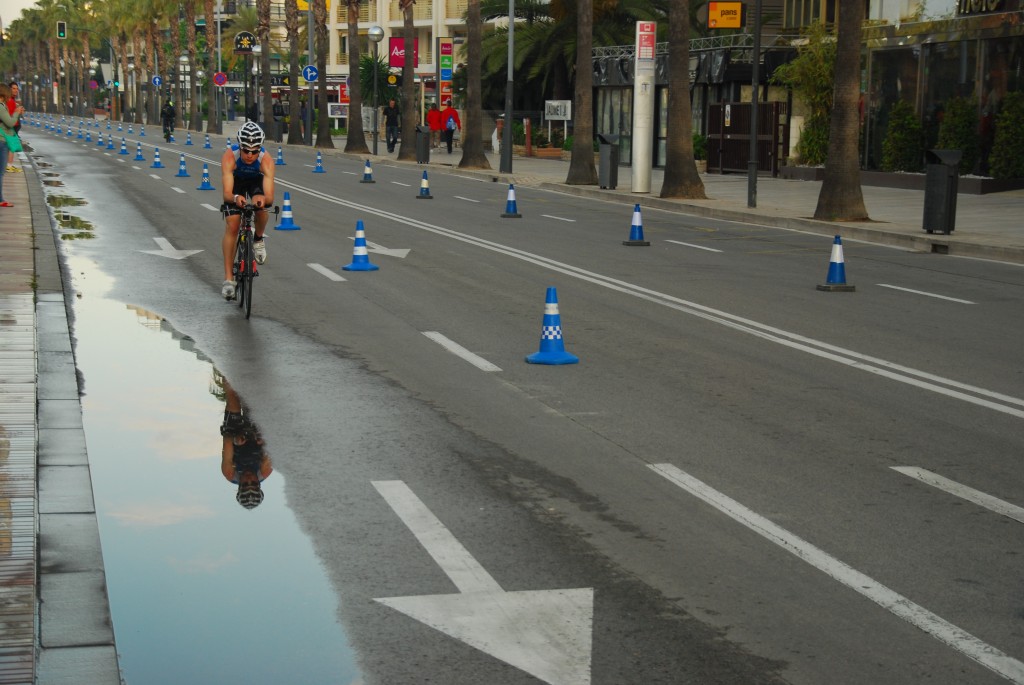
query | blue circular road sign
[310, 73]
[157, 80]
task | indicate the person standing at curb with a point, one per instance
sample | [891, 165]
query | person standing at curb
[434, 123]
[452, 123]
[8, 139]
[12, 105]
[392, 117]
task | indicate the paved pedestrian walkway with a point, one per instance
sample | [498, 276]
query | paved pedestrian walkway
[53, 603]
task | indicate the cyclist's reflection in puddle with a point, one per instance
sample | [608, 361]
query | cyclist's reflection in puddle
[244, 459]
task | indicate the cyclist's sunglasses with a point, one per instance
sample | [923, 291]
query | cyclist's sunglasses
[250, 151]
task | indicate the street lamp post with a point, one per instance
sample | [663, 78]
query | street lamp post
[257, 53]
[199, 99]
[376, 34]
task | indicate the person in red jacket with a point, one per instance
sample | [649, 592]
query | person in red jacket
[434, 122]
[452, 123]
[12, 105]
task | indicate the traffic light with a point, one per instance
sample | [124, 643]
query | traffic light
[62, 29]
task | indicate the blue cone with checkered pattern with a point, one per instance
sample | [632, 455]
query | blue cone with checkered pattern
[552, 346]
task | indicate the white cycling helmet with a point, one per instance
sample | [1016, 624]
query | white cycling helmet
[250, 136]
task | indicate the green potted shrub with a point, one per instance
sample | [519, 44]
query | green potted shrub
[1007, 158]
[959, 131]
[903, 147]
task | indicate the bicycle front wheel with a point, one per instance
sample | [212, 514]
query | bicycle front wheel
[250, 273]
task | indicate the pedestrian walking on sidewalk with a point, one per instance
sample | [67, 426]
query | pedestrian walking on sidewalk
[452, 123]
[434, 122]
[392, 119]
[8, 138]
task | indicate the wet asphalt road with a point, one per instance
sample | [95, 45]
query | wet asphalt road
[727, 365]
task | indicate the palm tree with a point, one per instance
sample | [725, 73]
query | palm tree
[356, 140]
[263, 36]
[681, 177]
[323, 45]
[407, 150]
[841, 198]
[213, 124]
[473, 156]
[291, 23]
[581, 166]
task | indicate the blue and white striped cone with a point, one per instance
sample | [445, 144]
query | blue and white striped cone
[88, 136]
[81, 135]
[110, 141]
[280, 157]
[119, 127]
[70, 132]
[510, 205]
[836, 280]
[182, 171]
[171, 138]
[142, 131]
[227, 144]
[319, 168]
[424, 189]
[205, 182]
[206, 145]
[552, 346]
[367, 173]
[130, 132]
[157, 164]
[108, 124]
[138, 153]
[124, 147]
[188, 138]
[287, 222]
[636, 231]
[360, 257]
[99, 139]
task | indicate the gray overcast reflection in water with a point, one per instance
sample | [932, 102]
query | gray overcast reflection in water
[201, 589]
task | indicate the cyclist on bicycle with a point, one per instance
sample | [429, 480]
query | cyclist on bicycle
[244, 459]
[246, 170]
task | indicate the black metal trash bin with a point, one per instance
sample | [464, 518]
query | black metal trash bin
[608, 160]
[423, 145]
[941, 182]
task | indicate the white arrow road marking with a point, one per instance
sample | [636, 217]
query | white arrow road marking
[177, 189]
[460, 351]
[546, 633]
[936, 626]
[324, 271]
[399, 252]
[210, 207]
[166, 250]
[699, 247]
[963, 492]
[156, 176]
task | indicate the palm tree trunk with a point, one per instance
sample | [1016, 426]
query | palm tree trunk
[681, 177]
[473, 156]
[581, 168]
[356, 140]
[407, 150]
[213, 124]
[323, 44]
[841, 198]
[291, 21]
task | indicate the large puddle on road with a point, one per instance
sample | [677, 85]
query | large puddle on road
[202, 590]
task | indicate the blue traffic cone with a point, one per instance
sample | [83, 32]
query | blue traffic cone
[130, 132]
[287, 223]
[636, 231]
[142, 131]
[88, 136]
[110, 140]
[157, 164]
[108, 124]
[836, 280]
[138, 153]
[182, 171]
[80, 134]
[280, 157]
[360, 257]
[367, 173]
[206, 145]
[205, 182]
[124, 147]
[227, 143]
[99, 139]
[119, 128]
[552, 347]
[70, 132]
[188, 138]
[510, 205]
[319, 168]
[170, 138]
[424, 189]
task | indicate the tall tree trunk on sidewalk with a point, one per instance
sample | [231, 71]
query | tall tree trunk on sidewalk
[213, 124]
[356, 140]
[581, 168]
[841, 198]
[681, 177]
[407, 150]
[291, 23]
[323, 46]
[473, 156]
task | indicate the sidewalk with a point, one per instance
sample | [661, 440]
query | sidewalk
[53, 602]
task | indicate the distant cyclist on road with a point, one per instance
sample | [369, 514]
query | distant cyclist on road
[244, 459]
[246, 170]
[168, 115]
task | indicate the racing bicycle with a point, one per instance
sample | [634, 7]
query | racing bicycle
[244, 269]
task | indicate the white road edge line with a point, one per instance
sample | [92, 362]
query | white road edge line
[402, 184]
[460, 351]
[210, 207]
[558, 218]
[177, 189]
[963, 492]
[456, 562]
[324, 271]
[921, 292]
[156, 176]
[467, 199]
[942, 630]
[699, 247]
